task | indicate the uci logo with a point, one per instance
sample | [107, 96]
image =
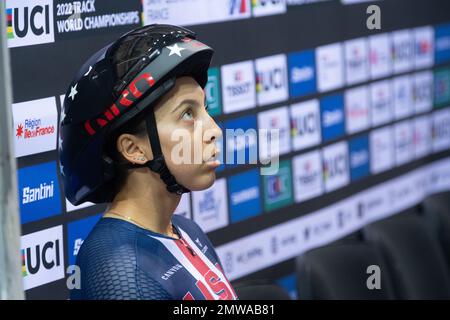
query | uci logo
[29, 24]
[40, 257]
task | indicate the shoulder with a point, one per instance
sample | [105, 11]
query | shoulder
[108, 265]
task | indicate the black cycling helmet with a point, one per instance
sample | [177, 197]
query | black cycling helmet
[116, 84]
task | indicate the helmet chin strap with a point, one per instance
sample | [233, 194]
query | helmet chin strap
[158, 163]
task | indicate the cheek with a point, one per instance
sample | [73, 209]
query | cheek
[184, 159]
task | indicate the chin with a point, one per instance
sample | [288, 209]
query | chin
[201, 182]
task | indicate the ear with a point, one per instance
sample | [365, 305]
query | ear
[133, 148]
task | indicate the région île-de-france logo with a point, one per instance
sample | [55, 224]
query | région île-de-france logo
[31, 128]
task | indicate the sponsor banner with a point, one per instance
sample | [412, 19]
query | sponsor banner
[359, 157]
[441, 87]
[212, 92]
[381, 102]
[35, 126]
[335, 166]
[403, 99]
[268, 7]
[423, 47]
[243, 190]
[74, 19]
[42, 257]
[302, 73]
[29, 22]
[330, 68]
[238, 86]
[380, 58]
[278, 187]
[333, 117]
[174, 12]
[441, 130]
[442, 43]
[423, 91]
[381, 150]
[210, 206]
[356, 60]
[357, 109]
[76, 233]
[305, 124]
[287, 240]
[403, 136]
[39, 193]
[402, 50]
[422, 136]
[274, 119]
[241, 141]
[271, 80]
[184, 207]
[307, 176]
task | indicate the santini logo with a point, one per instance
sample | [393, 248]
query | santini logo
[32, 194]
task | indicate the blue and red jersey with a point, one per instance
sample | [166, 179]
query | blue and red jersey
[120, 260]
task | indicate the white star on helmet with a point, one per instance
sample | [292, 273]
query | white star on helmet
[175, 49]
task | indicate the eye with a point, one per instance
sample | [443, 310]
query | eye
[188, 115]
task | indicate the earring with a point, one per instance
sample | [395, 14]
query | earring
[140, 159]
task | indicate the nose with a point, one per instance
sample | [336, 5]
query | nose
[213, 131]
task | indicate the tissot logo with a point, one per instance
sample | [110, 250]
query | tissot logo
[307, 175]
[330, 70]
[380, 60]
[274, 119]
[356, 65]
[238, 86]
[381, 102]
[29, 22]
[357, 109]
[42, 257]
[381, 150]
[422, 136]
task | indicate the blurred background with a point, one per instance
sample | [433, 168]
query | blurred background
[359, 208]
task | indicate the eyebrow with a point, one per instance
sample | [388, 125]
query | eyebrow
[185, 101]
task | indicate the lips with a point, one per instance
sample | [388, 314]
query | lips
[213, 161]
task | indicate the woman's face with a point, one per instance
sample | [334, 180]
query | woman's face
[188, 135]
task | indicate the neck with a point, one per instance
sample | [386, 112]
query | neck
[145, 199]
